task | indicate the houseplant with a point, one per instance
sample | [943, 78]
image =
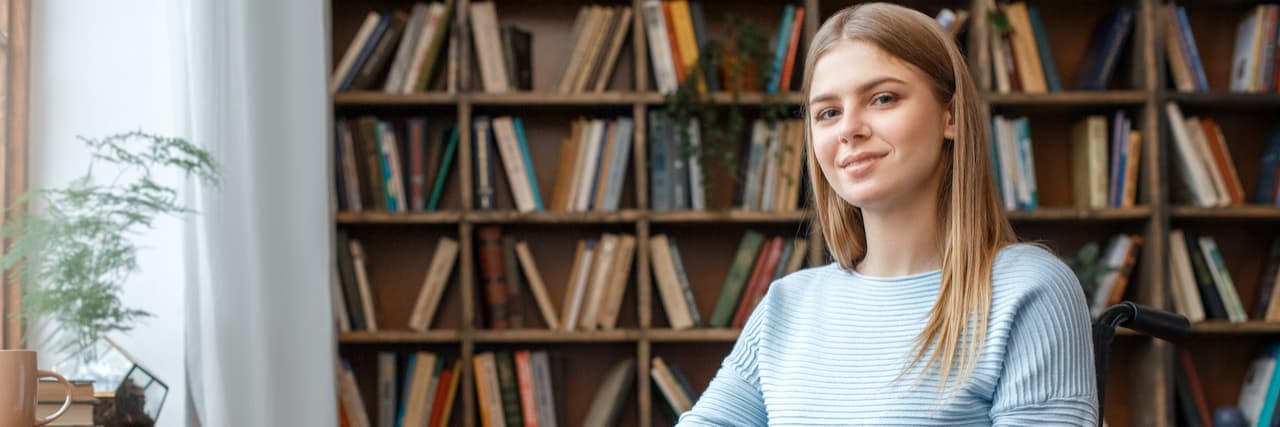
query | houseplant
[741, 64]
[74, 251]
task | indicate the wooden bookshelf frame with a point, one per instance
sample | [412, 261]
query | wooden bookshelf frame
[15, 54]
[1140, 88]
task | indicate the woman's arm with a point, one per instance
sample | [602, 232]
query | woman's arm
[734, 397]
[1048, 375]
[730, 400]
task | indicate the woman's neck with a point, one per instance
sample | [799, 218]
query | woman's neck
[903, 240]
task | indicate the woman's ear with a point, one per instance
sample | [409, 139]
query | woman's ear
[949, 132]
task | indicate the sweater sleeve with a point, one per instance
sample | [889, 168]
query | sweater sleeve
[1048, 375]
[734, 397]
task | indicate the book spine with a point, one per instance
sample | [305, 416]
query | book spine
[441, 176]
[386, 389]
[731, 290]
[492, 270]
[510, 389]
[528, 163]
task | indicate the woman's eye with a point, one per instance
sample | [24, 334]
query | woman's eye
[827, 114]
[883, 99]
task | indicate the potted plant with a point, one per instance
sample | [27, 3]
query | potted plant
[74, 253]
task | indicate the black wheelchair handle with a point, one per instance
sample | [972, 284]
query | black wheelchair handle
[1150, 321]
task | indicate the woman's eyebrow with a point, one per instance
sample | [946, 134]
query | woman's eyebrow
[861, 88]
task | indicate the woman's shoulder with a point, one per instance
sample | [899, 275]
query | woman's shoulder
[1023, 268]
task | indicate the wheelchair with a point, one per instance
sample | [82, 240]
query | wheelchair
[1141, 319]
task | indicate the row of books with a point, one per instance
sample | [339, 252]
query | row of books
[516, 389]
[1203, 160]
[1104, 163]
[399, 52]
[1202, 287]
[1022, 59]
[771, 166]
[380, 166]
[504, 54]
[1013, 162]
[598, 279]
[598, 35]
[1259, 390]
[756, 264]
[1253, 64]
[678, 40]
[1117, 263]
[417, 391]
[593, 165]
[353, 301]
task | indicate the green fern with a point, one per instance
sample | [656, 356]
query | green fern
[75, 253]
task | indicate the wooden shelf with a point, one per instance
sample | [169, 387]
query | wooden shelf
[1066, 99]
[544, 99]
[1248, 212]
[737, 216]
[514, 217]
[1225, 99]
[745, 98]
[550, 336]
[1222, 327]
[1073, 214]
[443, 217]
[372, 98]
[400, 337]
[695, 335]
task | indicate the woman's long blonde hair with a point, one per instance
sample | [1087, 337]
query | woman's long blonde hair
[972, 223]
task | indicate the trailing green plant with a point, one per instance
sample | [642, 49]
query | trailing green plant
[723, 126]
[75, 252]
[1087, 268]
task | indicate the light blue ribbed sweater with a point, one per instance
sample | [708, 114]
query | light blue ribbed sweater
[825, 345]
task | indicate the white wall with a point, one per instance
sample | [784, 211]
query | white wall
[98, 68]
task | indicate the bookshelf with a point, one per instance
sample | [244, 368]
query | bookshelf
[1141, 387]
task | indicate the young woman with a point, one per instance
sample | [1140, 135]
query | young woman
[930, 314]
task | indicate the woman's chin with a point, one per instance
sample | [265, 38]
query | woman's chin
[863, 199]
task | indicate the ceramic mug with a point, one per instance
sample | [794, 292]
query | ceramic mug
[18, 379]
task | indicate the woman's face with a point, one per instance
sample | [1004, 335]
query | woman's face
[877, 128]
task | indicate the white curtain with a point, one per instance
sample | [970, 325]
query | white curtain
[259, 329]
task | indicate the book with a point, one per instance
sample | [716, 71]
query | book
[610, 58]
[536, 286]
[437, 278]
[442, 175]
[509, 388]
[342, 74]
[362, 284]
[493, 277]
[517, 43]
[1103, 54]
[431, 44]
[446, 391]
[611, 395]
[488, 47]
[665, 277]
[620, 275]
[386, 389]
[515, 309]
[736, 279]
[373, 70]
